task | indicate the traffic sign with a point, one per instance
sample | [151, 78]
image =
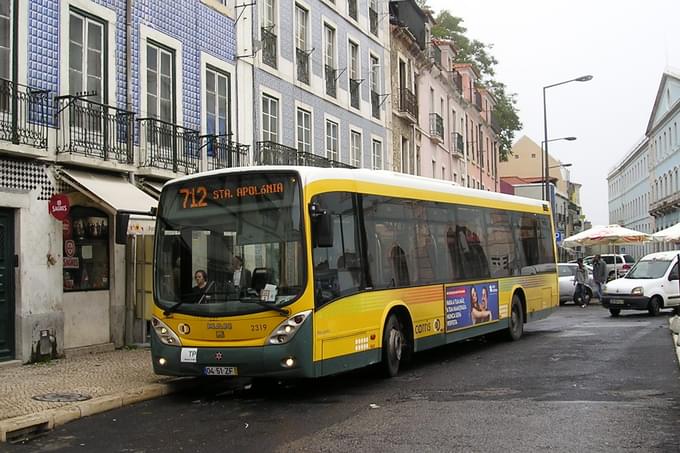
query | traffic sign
[558, 237]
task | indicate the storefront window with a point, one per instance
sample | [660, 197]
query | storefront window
[86, 250]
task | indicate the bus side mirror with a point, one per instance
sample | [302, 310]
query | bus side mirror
[122, 220]
[322, 226]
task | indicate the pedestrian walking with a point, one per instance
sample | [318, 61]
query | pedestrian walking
[599, 275]
[580, 282]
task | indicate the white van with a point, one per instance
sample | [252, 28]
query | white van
[651, 284]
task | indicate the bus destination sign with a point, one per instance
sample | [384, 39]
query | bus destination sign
[198, 196]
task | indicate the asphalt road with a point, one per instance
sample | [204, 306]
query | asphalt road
[578, 381]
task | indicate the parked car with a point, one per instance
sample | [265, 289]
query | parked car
[653, 283]
[617, 264]
[566, 273]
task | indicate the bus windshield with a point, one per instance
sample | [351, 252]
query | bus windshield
[229, 244]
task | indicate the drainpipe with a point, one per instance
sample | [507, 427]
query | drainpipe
[130, 283]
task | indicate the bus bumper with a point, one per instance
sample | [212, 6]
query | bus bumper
[260, 361]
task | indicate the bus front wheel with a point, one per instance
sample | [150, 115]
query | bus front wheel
[516, 327]
[392, 346]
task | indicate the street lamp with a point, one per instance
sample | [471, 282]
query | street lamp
[560, 165]
[584, 78]
[543, 175]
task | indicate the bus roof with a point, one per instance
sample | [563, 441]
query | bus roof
[383, 177]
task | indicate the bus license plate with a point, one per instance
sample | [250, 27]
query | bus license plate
[616, 301]
[220, 371]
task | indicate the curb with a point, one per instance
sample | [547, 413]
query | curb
[27, 426]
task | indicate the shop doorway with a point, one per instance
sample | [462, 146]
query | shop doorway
[6, 284]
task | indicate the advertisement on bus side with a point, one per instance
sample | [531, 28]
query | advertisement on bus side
[467, 305]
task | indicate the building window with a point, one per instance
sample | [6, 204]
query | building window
[332, 140]
[355, 149]
[5, 39]
[375, 87]
[270, 119]
[160, 82]
[268, 33]
[218, 101]
[354, 74]
[301, 44]
[86, 55]
[352, 9]
[330, 69]
[304, 131]
[373, 16]
[405, 155]
[377, 155]
[86, 250]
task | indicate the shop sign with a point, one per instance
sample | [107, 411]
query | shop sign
[67, 228]
[71, 262]
[59, 206]
[70, 247]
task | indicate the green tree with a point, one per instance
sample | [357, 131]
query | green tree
[477, 53]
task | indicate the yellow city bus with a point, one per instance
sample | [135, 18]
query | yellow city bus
[315, 271]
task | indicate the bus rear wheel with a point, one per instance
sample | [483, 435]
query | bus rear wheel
[516, 327]
[392, 346]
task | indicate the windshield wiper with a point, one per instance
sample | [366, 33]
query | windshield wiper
[279, 310]
[200, 300]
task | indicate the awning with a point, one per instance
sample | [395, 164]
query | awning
[116, 192]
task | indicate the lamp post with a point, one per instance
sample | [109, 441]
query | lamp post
[543, 175]
[560, 165]
[585, 78]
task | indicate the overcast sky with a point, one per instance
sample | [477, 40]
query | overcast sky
[626, 45]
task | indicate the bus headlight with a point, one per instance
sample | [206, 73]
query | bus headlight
[165, 333]
[638, 291]
[288, 328]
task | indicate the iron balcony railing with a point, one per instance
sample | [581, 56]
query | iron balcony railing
[302, 58]
[224, 153]
[408, 102]
[435, 53]
[373, 21]
[168, 146]
[436, 126]
[331, 81]
[23, 114]
[354, 92]
[268, 46]
[352, 9]
[93, 129]
[457, 143]
[375, 104]
[272, 153]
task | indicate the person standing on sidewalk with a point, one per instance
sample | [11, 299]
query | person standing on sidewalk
[599, 275]
[580, 282]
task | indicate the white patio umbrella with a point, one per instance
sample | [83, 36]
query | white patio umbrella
[607, 235]
[670, 234]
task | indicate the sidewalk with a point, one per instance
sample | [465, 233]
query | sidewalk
[111, 380]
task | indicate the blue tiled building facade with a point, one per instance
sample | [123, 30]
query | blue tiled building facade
[194, 23]
[343, 92]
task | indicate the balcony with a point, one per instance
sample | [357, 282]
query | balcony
[354, 93]
[408, 102]
[224, 153]
[331, 81]
[352, 9]
[434, 53]
[665, 205]
[23, 114]
[91, 129]
[302, 59]
[373, 21]
[375, 104]
[457, 144]
[436, 127]
[268, 46]
[272, 153]
[167, 146]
